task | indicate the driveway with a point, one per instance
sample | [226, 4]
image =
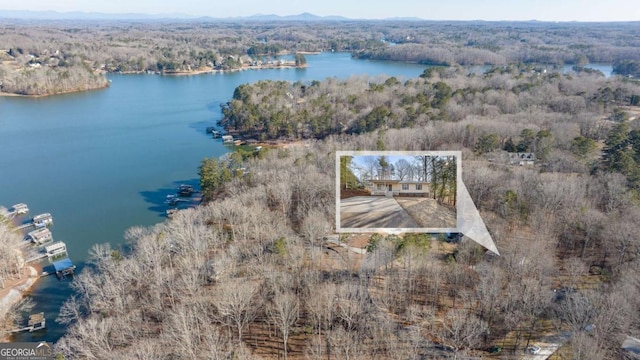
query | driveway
[373, 212]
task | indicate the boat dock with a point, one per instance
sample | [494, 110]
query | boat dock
[17, 209]
[64, 268]
[55, 249]
[42, 220]
[38, 221]
[173, 200]
[40, 236]
[36, 322]
[212, 130]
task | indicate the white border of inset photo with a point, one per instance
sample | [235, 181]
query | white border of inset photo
[459, 185]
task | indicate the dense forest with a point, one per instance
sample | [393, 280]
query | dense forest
[479, 43]
[50, 57]
[10, 263]
[257, 273]
[274, 109]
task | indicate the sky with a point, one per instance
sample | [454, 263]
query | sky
[544, 10]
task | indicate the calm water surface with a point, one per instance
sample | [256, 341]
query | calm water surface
[103, 161]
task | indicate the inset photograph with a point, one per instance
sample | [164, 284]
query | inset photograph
[397, 191]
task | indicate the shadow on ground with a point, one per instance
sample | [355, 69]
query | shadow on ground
[369, 212]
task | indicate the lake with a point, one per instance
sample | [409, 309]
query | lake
[103, 161]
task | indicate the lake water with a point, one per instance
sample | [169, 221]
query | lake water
[103, 161]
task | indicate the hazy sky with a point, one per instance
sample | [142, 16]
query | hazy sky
[549, 10]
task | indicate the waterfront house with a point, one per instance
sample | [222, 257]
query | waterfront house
[388, 187]
[227, 139]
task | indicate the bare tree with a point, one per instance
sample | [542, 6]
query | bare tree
[314, 227]
[235, 303]
[283, 312]
[404, 170]
[462, 330]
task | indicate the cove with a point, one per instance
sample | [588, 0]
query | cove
[103, 161]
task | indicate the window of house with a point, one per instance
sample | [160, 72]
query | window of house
[418, 186]
[405, 186]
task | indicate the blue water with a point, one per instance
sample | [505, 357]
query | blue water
[606, 69]
[103, 161]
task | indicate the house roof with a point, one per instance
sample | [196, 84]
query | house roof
[631, 344]
[522, 156]
[389, 181]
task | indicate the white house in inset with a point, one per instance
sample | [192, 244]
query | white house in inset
[399, 188]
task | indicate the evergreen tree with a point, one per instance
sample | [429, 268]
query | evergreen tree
[615, 145]
[210, 179]
[582, 146]
[348, 180]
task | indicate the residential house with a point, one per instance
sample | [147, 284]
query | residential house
[399, 188]
[522, 159]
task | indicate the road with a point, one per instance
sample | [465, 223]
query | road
[368, 212]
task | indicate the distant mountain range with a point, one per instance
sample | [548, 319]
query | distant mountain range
[78, 15]
[300, 17]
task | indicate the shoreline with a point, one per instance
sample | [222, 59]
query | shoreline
[243, 68]
[15, 294]
[5, 94]
[177, 73]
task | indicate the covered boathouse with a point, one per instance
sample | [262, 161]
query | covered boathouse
[64, 268]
